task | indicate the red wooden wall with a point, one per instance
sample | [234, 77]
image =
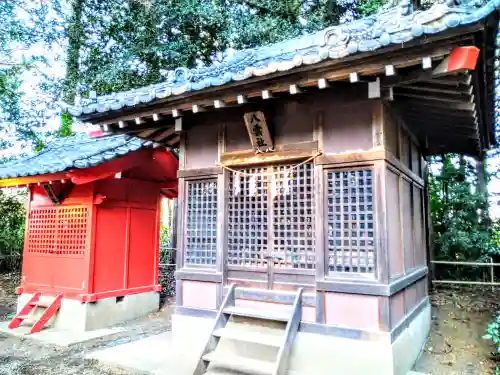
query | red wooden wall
[102, 241]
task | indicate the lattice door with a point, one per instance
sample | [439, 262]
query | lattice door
[271, 213]
[201, 226]
[351, 247]
[58, 231]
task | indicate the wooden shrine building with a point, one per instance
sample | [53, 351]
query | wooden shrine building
[91, 247]
[302, 185]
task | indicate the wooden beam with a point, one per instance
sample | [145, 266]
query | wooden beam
[410, 106]
[452, 80]
[164, 134]
[292, 151]
[398, 91]
[464, 91]
[174, 141]
[427, 101]
[147, 133]
[423, 117]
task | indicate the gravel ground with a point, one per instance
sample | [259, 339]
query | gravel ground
[19, 356]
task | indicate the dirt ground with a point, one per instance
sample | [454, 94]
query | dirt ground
[459, 319]
[26, 357]
[455, 346]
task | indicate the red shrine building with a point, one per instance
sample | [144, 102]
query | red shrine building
[91, 249]
[303, 225]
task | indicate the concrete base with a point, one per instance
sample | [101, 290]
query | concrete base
[81, 317]
[164, 354]
[156, 355]
[58, 338]
[319, 354]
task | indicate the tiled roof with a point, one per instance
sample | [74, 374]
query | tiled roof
[393, 26]
[79, 151]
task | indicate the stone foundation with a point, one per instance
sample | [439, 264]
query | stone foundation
[77, 316]
[325, 354]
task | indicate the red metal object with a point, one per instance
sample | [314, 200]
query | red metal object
[463, 58]
[460, 59]
[103, 239]
[48, 313]
[17, 320]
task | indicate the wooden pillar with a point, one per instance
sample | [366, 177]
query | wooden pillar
[429, 234]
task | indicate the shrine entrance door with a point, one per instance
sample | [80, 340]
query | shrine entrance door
[270, 227]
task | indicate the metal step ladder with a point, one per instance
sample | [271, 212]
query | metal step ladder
[25, 315]
[212, 362]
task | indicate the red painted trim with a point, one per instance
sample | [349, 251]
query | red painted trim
[19, 290]
[26, 234]
[126, 261]
[95, 133]
[166, 160]
[92, 225]
[118, 293]
[21, 181]
[462, 58]
[99, 198]
[110, 168]
[157, 239]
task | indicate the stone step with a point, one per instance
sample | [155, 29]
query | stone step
[238, 364]
[282, 316]
[249, 337]
[28, 319]
[42, 304]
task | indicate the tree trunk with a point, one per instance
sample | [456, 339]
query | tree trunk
[482, 189]
[75, 41]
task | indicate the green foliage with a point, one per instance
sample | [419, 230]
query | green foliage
[368, 7]
[23, 25]
[66, 125]
[12, 218]
[460, 232]
[131, 43]
[493, 334]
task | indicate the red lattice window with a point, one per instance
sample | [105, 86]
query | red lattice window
[58, 231]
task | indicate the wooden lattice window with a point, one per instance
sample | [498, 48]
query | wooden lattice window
[271, 213]
[201, 223]
[248, 219]
[351, 247]
[58, 231]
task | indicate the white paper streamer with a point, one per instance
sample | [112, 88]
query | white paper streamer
[274, 187]
[237, 184]
[286, 185]
[252, 188]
